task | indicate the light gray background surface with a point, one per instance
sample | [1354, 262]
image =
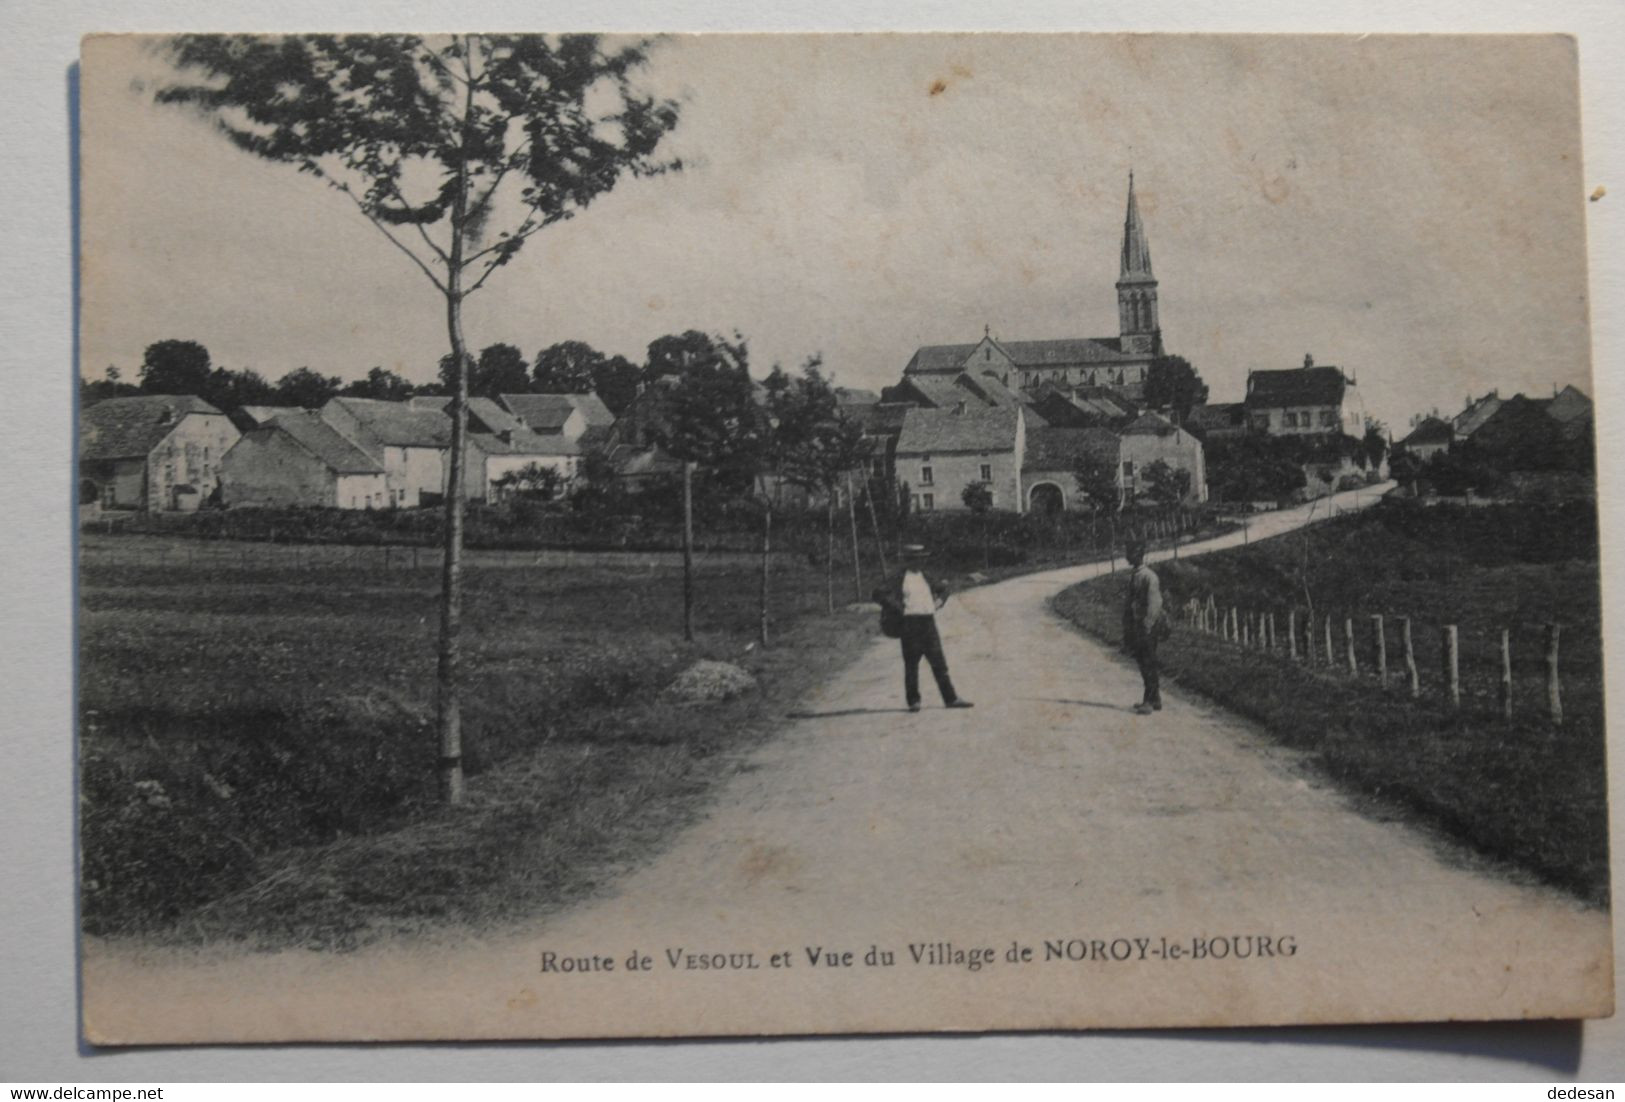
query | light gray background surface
[38, 1020]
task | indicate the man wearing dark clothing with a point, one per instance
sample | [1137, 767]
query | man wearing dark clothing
[1144, 626]
[912, 597]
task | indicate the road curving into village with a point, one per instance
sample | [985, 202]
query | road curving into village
[1179, 869]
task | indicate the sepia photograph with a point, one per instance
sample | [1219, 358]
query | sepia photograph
[588, 536]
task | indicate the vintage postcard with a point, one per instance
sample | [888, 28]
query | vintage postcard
[522, 477]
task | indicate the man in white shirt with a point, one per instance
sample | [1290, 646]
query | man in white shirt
[910, 600]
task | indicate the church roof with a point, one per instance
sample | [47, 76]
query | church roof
[1136, 266]
[1057, 449]
[1065, 352]
[927, 431]
[1296, 386]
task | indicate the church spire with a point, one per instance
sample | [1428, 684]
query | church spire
[1140, 330]
[1136, 253]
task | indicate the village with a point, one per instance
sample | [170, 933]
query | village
[999, 424]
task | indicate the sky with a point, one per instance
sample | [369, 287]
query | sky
[1411, 209]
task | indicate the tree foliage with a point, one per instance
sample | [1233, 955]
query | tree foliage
[306, 388]
[532, 480]
[1171, 383]
[1166, 484]
[977, 497]
[674, 354]
[711, 418]
[566, 368]
[382, 384]
[1261, 468]
[175, 367]
[1096, 479]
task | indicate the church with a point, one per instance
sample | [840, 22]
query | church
[1118, 363]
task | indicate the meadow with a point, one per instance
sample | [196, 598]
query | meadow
[1522, 790]
[257, 742]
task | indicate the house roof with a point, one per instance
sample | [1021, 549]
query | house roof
[259, 415]
[1217, 415]
[882, 418]
[398, 425]
[1057, 449]
[1569, 404]
[125, 428]
[630, 462]
[1066, 352]
[976, 430]
[549, 412]
[1477, 411]
[855, 396]
[1430, 430]
[1149, 424]
[1296, 386]
[992, 389]
[340, 455]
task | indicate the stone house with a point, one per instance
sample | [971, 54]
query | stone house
[296, 458]
[1304, 401]
[1051, 458]
[412, 445]
[571, 416]
[1151, 438]
[158, 452]
[940, 452]
[501, 444]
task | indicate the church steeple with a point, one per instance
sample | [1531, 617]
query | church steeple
[1137, 320]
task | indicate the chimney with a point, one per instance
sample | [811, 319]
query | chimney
[1308, 360]
[959, 408]
[506, 436]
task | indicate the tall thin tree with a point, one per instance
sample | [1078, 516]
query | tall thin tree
[438, 141]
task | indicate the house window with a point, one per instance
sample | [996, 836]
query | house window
[1328, 418]
[1128, 468]
[987, 354]
[925, 476]
[987, 472]
[927, 502]
[915, 502]
[1290, 420]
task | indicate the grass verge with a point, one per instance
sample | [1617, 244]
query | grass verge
[1521, 790]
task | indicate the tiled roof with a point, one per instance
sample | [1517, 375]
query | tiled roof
[1149, 424]
[125, 428]
[543, 412]
[321, 440]
[1069, 351]
[259, 415]
[992, 388]
[1217, 415]
[1058, 449]
[1296, 386]
[1569, 404]
[1431, 430]
[882, 418]
[976, 430]
[1066, 352]
[398, 425]
[855, 396]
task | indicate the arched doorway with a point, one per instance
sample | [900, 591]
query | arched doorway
[1046, 498]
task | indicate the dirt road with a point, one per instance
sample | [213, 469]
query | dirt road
[1125, 853]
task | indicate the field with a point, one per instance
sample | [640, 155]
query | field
[1523, 790]
[257, 748]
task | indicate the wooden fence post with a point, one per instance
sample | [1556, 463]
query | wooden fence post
[1247, 630]
[1554, 689]
[1410, 657]
[1506, 674]
[1331, 655]
[1271, 622]
[1348, 644]
[1292, 633]
[1382, 650]
[1452, 666]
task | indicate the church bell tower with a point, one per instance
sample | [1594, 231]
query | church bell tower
[1140, 330]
